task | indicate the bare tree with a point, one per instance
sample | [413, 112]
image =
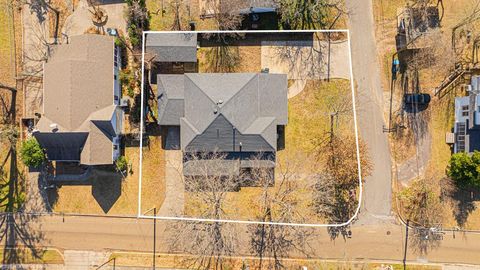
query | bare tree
[335, 189]
[138, 20]
[225, 13]
[422, 206]
[323, 201]
[278, 202]
[177, 7]
[223, 58]
[41, 7]
[207, 243]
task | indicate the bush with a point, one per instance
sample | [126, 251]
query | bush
[138, 20]
[120, 42]
[31, 153]
[122, 163]
[464, 169]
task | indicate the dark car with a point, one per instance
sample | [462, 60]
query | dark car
[416, 99]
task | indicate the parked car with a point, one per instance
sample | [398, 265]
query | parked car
[416, 99]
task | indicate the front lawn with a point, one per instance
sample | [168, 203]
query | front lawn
[307, 132]
[111, 196]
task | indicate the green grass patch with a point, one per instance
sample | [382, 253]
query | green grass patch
[26, 256]
[309, 114]
[6, 39]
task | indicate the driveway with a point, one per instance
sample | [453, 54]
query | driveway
[376, 204]
[34, 47]
[304, 60]
[36, 195]
[414, 167]
[174, 190]
[81, 18]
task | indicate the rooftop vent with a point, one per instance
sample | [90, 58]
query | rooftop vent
[54, 127]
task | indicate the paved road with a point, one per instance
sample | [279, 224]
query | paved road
[369, 242]
[366, 72]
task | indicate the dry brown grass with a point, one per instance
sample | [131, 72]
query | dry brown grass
[249, 59]
[175, 260]
[62, 7]
[7, 56]
[79, 199]
[153, 176]
[164, 22]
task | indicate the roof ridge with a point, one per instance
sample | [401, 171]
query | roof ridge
[191, 126]
[255, 75]
[70, 117]
[203, 93]
[259, 118]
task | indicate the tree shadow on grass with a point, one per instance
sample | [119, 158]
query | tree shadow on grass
[19, 232]
[464, 204]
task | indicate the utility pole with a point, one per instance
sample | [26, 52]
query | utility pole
[406, 246]
[154, 234]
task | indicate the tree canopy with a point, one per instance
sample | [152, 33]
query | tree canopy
[31, 153]
[464, 169]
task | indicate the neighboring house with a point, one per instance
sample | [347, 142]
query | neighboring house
[467, 119]
[241, 115]
[172, 53]
[81, 120]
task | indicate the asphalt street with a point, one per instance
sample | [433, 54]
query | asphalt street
[376, 204]
[368, 242]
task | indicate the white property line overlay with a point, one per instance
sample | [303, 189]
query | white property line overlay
[352, 85]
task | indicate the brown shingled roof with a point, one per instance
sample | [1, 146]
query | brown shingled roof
[78, 93]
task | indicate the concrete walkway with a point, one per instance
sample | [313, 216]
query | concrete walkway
[306, 60]
[174, 191]
[35, 39]
[296, 88]
[81, 18]
[303, 60]
[84, 260]
[36, 196]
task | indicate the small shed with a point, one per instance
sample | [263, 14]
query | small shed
[259, 18]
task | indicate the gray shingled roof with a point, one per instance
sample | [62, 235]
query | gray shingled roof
[78, 98]
[170, 97]
[172, 47]
[244, 106]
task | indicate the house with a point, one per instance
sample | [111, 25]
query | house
[467, 119]
[81, 120]
[172, 53]
[240, 115]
